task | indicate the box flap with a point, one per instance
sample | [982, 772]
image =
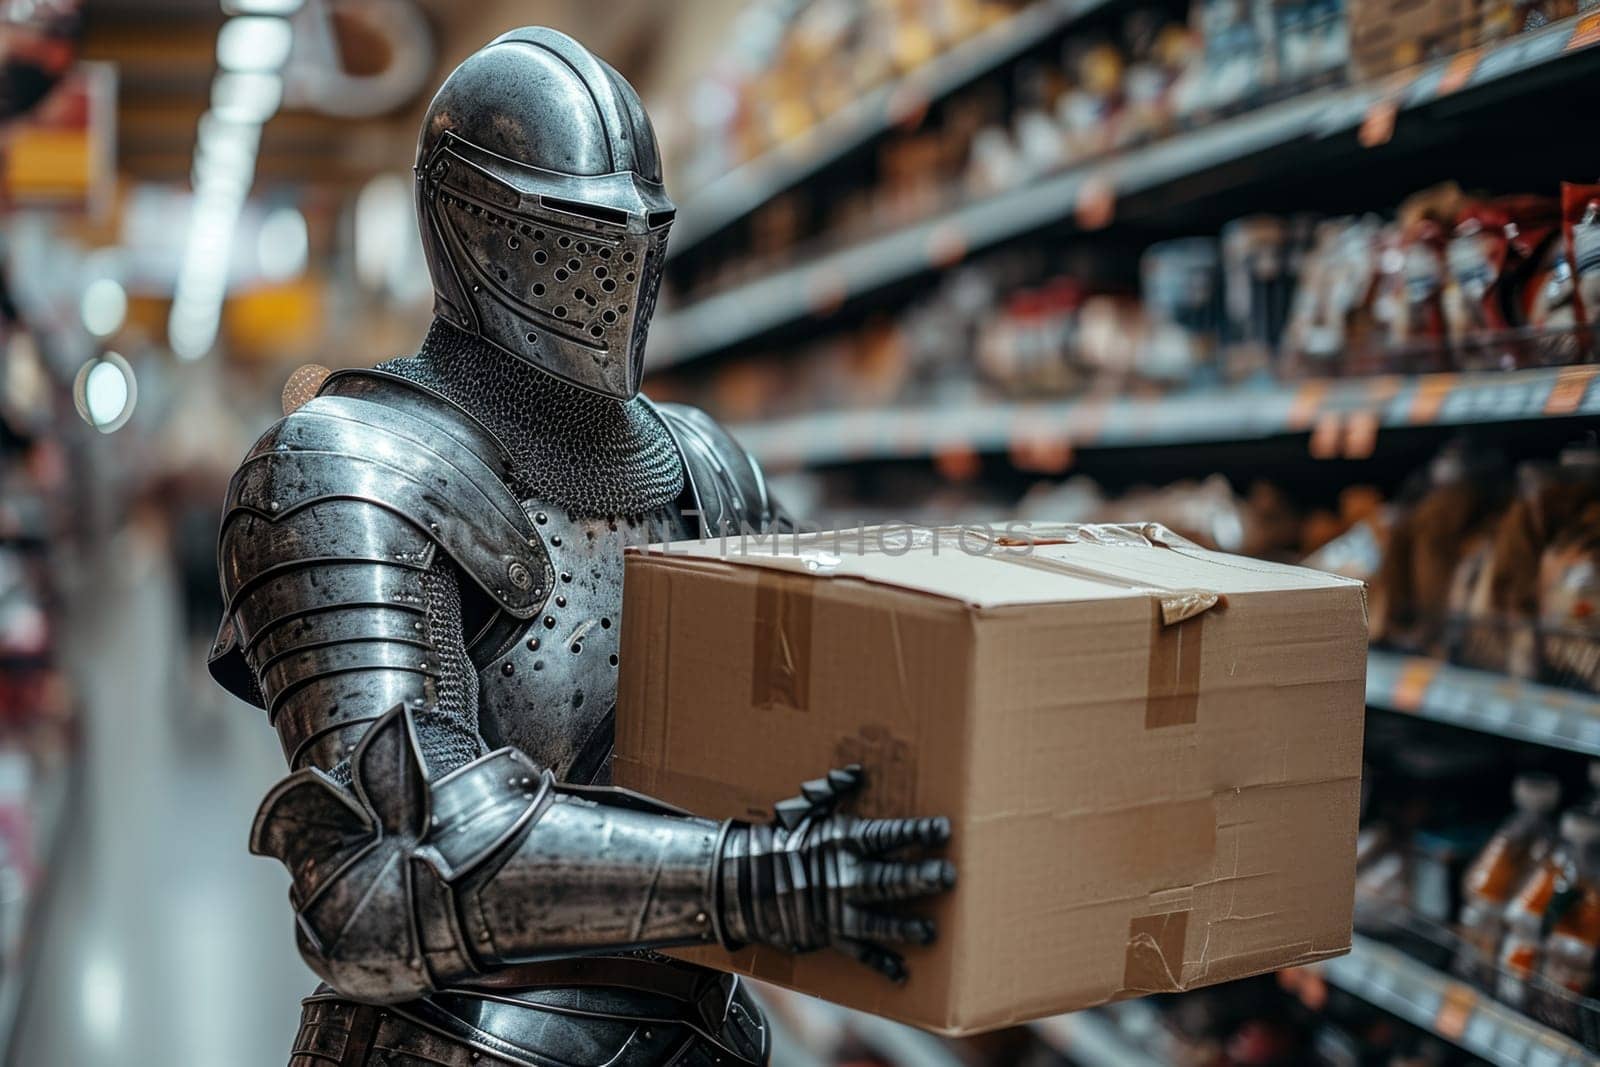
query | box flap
[1037, 564]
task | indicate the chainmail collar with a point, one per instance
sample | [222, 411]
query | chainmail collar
[570, 447]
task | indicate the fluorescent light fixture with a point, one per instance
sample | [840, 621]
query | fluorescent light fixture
[254, 43]
[104, 392]
[246, 96]
[282, 244]
[103, 307]
[261, 7]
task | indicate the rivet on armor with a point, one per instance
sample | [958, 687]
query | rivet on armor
[556, 540]
[541, 518]
[612, 659]
[549, 622]
[605, 622]
[566, 576]
[538, 664]
[577, 699]
[561, 601]
[507, 668]
[533, 644]
[272, 506]
[577, 647]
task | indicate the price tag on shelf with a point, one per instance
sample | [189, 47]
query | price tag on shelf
[1455, 1011]
[1306, 404]
[1429, 396]
[1096, 206]
[1567, 394]
[1458, 72]
[1377, 127]
[1586, 33]
[1415, 678]
[947, 245]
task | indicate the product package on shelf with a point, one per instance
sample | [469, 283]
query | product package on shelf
[1100, 710]
[1514, 913]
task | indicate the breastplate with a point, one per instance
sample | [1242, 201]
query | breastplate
[550, 688]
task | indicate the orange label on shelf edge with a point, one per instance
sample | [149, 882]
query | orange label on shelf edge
[1459, 71]
[1097, 203]
[1570, 386]
[1454, 1011]
[1307, 399]
[1431, 391]
[1378, 126]
[1327, 435]
[1586, 32]
[1412, 684]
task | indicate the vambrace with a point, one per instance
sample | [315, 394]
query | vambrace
[402, 886]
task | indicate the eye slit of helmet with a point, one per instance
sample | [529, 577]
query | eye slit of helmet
[659, 218]
[588, 211]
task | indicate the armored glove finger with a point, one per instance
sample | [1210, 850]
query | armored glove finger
[814, 878]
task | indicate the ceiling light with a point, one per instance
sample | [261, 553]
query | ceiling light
[103, 307]
[253, 43]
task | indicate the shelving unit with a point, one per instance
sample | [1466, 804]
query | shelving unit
[783, 297]
[20, 925]
[1243, 413]
[1115, 1036]
[1393, 981]
[1483, 701]
[746, 188]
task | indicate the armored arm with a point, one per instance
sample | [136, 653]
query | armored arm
[419, 861]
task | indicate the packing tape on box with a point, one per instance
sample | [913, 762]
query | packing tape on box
[780, 655]
[781, 648]
[1154, 959]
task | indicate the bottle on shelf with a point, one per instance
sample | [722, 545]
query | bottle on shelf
[1550, 883]
[1522, 841]
[1570, 948]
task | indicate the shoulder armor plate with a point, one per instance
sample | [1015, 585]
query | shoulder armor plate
[723, 482]
[378, 440]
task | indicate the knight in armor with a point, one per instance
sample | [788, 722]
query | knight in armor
[423, 576]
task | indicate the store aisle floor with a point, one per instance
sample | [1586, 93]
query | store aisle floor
[165, 943]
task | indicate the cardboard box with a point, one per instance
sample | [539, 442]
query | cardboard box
[1151, 753]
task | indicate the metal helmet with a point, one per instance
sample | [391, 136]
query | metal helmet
[543, 217]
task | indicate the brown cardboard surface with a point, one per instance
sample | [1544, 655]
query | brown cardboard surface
[1151, 755]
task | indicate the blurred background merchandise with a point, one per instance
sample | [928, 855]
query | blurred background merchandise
[1303, 279]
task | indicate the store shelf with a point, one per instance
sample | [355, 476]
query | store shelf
[784, 297]
[1484, 701]
[1456, 1012]
[747, 187]
[20, 924]
[1346, 407]
[1116, 1036]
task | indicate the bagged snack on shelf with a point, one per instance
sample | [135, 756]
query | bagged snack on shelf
[1569, 603]
[1427, 544]
[1332, 310]
[1494, 250]
[1259, 258]
[1311, 41]
[1180, 282]
[1159, 51]
[1523, 840]
[1550, 498]
[1088, 110]
[1580, 226]
[1411, 278]
[1236, 60]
